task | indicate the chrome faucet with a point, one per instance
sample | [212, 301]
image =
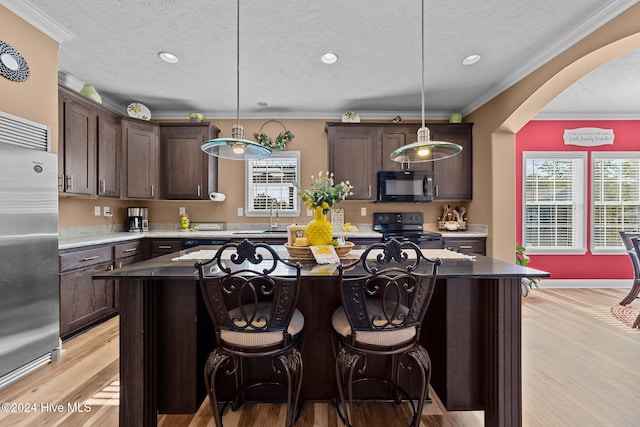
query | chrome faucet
[273, 226]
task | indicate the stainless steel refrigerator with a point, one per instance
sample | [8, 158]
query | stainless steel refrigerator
[29, 290]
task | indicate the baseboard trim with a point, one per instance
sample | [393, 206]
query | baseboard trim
[586, 283]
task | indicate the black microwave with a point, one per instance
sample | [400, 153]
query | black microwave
[405, 186]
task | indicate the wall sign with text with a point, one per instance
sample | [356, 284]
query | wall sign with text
[588, 137]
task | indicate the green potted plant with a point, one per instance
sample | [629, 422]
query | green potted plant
[527, 283]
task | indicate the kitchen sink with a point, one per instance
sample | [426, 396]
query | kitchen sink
[276, 231]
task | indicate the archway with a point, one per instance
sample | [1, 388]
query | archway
[497, 122]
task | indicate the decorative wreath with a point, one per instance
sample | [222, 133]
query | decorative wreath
[279, 143]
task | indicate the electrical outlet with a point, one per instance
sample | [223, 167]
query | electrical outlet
[96, 210]
[183, 210]
[106, 211]
[309, 212]
[363, 211]
[240, 212]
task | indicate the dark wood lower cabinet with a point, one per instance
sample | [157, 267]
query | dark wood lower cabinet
[469, 245]
[83, 300]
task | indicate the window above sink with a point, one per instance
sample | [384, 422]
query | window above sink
[272, 186]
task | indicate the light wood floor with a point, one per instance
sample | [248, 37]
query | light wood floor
[581, 367]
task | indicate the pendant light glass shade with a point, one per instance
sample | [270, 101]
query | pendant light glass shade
[236, 147]
[424, 150]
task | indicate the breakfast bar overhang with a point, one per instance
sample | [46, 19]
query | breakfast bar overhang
[472, 331]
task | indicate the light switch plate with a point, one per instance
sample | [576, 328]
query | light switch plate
[96, 210]
[182, 210]
[240, 212]
[363, 211]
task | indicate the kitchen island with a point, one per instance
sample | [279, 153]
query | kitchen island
[471, 330]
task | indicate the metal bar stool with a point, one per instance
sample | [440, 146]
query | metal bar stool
[253, 310]
[381, 315]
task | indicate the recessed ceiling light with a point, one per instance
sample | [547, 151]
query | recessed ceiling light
[471, 59]
[168, 57]
[329, 58]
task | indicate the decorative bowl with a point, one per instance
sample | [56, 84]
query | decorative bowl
[303, 252]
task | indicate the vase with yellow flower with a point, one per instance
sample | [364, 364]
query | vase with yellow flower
[323, 194]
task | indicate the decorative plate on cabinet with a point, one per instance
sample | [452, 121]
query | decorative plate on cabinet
[12, 65]
[139, 111]
[350, 117]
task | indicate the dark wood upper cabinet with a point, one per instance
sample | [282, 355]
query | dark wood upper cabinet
[77, 147]
[109, 137]
[453, 176]
[88, 146]
[357, 151]
[187, 172]
[140, 159]
[353, 156]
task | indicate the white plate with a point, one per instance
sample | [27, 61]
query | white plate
[139, 111]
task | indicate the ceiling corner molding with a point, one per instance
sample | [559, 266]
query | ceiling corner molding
[34, 16]
[606, 13]
[74, 83]
[602, 115]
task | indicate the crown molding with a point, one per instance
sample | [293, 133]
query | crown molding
[34, 16]
[593, 115]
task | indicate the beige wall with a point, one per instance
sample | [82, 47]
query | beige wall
[310, 139]
[36, 98]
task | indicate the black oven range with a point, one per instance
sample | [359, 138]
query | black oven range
[406, 226]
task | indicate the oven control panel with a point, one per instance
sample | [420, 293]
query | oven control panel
[383, 218]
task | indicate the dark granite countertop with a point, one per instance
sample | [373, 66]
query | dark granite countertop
[166, 267]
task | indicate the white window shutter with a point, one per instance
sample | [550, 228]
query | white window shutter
[554, 216]
[615, 198]
[272, 184]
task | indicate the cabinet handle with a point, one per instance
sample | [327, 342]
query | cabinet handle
[436, 190]
[130, 250]
[151, 190]
[69, 182]
[369, 191]
[60, 182]
[110, 267]
[164, 247]
[120, 264]
[89, 258]
[103, 185]
[466, 246]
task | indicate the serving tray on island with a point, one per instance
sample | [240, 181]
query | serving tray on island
[303, 252]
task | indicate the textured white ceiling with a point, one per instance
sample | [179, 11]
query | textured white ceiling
[378, 43]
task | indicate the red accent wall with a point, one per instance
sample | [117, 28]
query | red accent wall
[546, 135]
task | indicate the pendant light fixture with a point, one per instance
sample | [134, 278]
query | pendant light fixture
[425, 150]
[236, 147]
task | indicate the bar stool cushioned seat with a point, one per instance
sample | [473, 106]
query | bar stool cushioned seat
[247, 339]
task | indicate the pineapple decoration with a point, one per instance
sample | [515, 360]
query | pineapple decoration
[320, 198]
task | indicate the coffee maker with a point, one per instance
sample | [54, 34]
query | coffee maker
[137, 219]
